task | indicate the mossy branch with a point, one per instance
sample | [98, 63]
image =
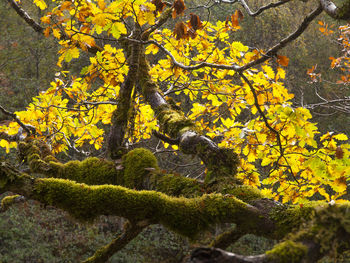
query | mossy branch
[325, 231]
[174, 123]
[187, 216]
[130, 231]
[121, 115]
[10, 200]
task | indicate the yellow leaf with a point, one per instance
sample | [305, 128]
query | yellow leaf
[56, 33]
[341, 137]
[41, 4]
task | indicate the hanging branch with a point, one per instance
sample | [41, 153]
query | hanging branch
[263, 8]
[23, 14]
[130, 231]
[28, 128]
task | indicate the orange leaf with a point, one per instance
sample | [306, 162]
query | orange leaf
[47, 32]
[237, 16]
[282, 60]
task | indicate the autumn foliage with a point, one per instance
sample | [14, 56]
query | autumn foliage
[281, 150]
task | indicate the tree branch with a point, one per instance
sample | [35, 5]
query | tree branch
[39, 29]
[122, 113]
[28, 128]
[187, 216]
[130, 231]
[342, 13]
[263, 8]
[24, 15]
[173, 122]
[269, 54]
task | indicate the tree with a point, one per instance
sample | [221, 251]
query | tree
[262, 176]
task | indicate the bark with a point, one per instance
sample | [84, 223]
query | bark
[121, 116]
[341, 13]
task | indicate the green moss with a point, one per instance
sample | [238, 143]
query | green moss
[287, 252]
[34, 153]
[185, 216]
[344, 11]
[92, 171]
[173, 122]
[222, 164]
[7, 201]
[291, 217]
[328, 223]
[245, 193]
[136, 163]
[176, 185]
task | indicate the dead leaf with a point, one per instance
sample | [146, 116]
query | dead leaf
[179, 8]
[339, 153]
[159, 5]
[195, 22]
[180, 31]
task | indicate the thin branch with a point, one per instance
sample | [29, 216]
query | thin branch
[340, 105]
[30, 21]
[256, 103]
[263, 8]
[269, 54]
[273, 51]
[204, 255]
[166, 138]
[130, 231]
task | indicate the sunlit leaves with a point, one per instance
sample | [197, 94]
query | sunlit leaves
[325, 29]
[41, 4]
[280, 151]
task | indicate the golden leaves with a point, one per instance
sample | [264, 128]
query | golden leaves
[41, 4]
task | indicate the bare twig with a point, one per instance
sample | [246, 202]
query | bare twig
[30, 21]
[263, 8]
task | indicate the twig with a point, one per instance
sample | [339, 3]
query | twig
[166, 138]
[263, 8]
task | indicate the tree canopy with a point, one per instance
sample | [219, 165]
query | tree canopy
[160, 69]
